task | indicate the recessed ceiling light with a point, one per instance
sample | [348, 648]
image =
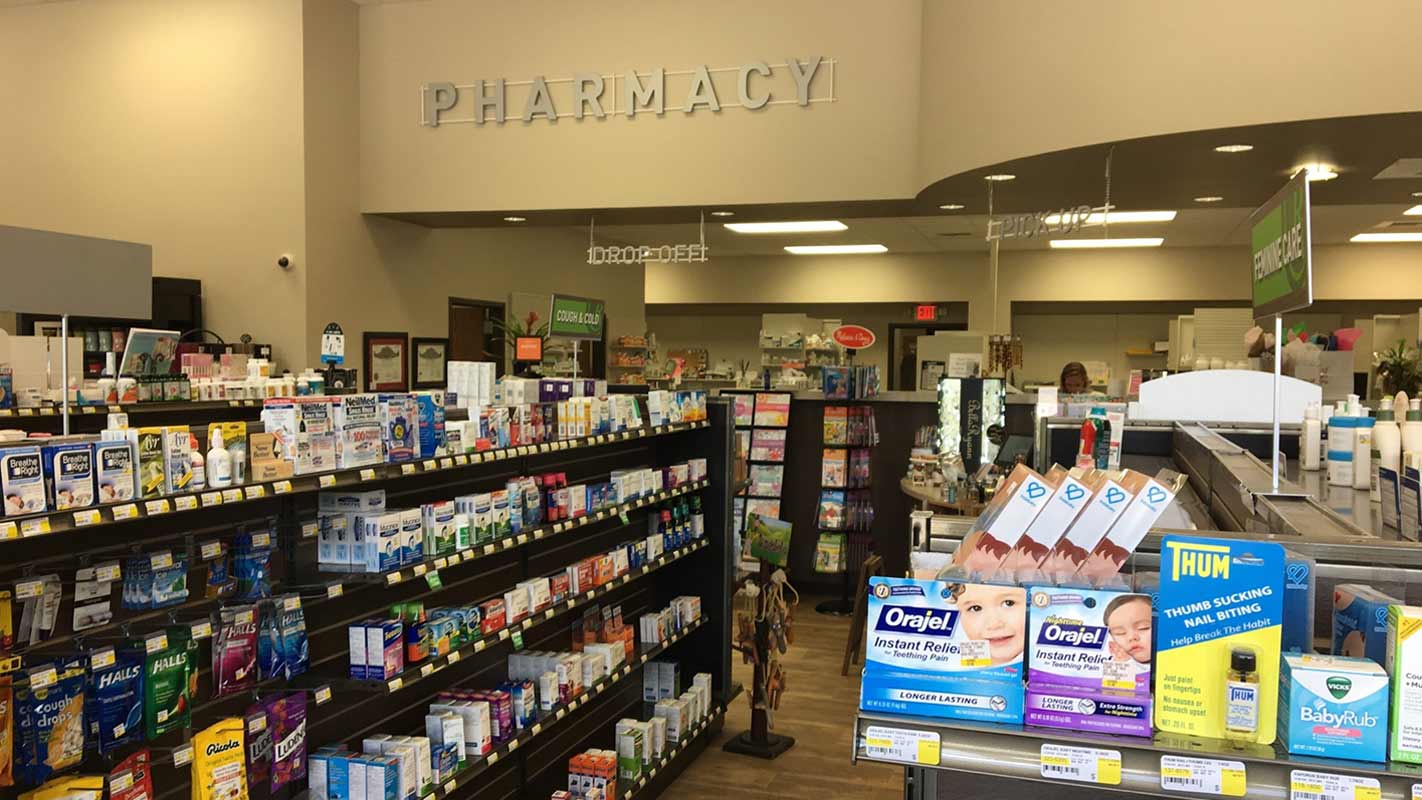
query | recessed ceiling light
[811, 226]
[834, 249]
[951, 206]
[515, 219]
[1098, 217]
[1415, 211]
[1318, 172]
[1234, 148]
[1085, 244]
[1000, 176]
[1375, 238]
[1209, 198]
[723, 213]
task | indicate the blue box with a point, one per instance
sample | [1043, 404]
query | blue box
[945, 649]
[1300, 581]
[431, 422]
[338, 778]
[69, 475]
[1333, 706]
[1360, 621]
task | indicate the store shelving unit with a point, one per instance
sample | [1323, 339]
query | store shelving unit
[941, 748]
[197, 526]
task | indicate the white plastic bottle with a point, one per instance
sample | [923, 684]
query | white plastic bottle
[1311, 440]
[1387, 447]
[1363, 449]
[195, 460]
[1412, 427]
[219, 461]
[1340, 446]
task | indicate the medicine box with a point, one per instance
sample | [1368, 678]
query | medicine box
[352, 502]
[412, 536]
[1333, 706]
[1404, 667]
[114, 471]
[22, 480]
[1360, 621]
[69, 474]
[1300, 582]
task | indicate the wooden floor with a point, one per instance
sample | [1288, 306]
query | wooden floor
[817, 710]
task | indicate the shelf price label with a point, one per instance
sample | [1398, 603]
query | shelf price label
[34, 527]
[8, 530]
[902, 745]
[1202, 776]
[1310, 785]
[103, 657]
[202, 630]
[1086, 764]
[185, 502]
[407, 469]
[281, 487]
[1417, 791]
[211, 499]
[367, 475]
[86, 518]
[254, 492]
[183, 755]
[323, 695]
[231, 495]
[155, 507]
[326, 481]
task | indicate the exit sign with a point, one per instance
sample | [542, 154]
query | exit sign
[925, 313]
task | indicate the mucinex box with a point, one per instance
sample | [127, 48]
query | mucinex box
[1089, 655]
[1333, 706]
[944, 649]
[1404, 667]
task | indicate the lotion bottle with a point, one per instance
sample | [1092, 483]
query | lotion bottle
[1387, 447]
[219, 461]
[1363, 449]
[1412, 427]
[1312, 444]
[1340, 446]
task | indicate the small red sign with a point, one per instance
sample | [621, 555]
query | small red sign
[528, 348]
[925, 313]
[854, 337]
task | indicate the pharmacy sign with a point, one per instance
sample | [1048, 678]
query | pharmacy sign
[1282, 271]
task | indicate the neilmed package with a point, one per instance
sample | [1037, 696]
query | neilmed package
[1300, 583]
[943, 649]
[1089, 662]
[1360, 621]
[1333, 706]
[1066, 502]
[1103, 509]
[1016, 504]
[1110, 554]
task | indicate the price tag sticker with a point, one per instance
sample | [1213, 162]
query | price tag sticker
[211, 499]
[291, 603]
[101, 658]
[513, 745]
[427, 670]
[1202, 776]
[462, 460]
[453, 657]
[202, 630]
[244, 617]
[335, 590]
[1085, 764]
[367, 474]
[434, 581]
[257, 723]
[493, 758]
[231, 495]
[261, 540]
[407, 469]
[185, 502]
[480, 645]
[323, 695]
[161, 560]
[419, 570]
[41, 677]
[309, 530]
[27, 412]
[395, 684]
[156, 507]
[489, 549]
[1310, 785]
[210, 550]
[326, 481]
[536, 729]
[450, 785]
[154, 642]
[281, 487]
[392, 578]
[1417, 791]
[503, 634]
[522, 539]
[446, 463]
[430, 465]
[560, 527]
[254, 492]
[622, 516]
[548, 614]
[86, 518]
[183, 755]
[9, 530]
[234, 403]
[123, 780]
[34, 527]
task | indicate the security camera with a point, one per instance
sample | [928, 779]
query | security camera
[284, 262]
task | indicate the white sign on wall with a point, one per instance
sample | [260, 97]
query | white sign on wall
[597, 95]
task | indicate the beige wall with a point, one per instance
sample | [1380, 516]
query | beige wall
[172, 124]
[775, 154]
[1014, 78]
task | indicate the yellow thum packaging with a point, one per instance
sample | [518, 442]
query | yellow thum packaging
[219, 762]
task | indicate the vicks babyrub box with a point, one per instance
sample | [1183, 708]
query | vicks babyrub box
[1333, 706]
[944, 649]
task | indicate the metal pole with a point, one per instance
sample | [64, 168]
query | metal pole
[64, 367]
[576, 343]
[1278, 368]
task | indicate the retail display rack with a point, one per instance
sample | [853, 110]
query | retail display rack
[845, 513]
[195, 528]
[762, 421]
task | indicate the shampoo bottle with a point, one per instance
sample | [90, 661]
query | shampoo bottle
[1363, 449]
[1412, 427]
[1311, 445]
[219, 461]
[1387, 447]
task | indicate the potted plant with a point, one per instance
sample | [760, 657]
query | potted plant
[1398, 369]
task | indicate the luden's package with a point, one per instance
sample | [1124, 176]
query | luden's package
[259, 751]
[219, 769]
[234, 651]
[286, 720]
[114, 701]
[50, 724]
[166, 695]
[7, 732]
[282, 648]
[137, 767]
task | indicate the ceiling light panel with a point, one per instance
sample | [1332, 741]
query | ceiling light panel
[1234, 148]
[1091, 244]
[1382, 238]
[1099, 217]
[834, 249]
[1415, 211]
[803, 226]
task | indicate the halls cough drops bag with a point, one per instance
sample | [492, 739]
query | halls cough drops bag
[219, 762]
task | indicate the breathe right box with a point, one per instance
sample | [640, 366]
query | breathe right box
[1404, 665]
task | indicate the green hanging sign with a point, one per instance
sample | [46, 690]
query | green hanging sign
[1280, 247]
[576, 317]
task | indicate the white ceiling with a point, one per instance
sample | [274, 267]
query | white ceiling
[956, 233]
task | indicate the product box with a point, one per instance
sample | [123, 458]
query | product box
[69, 474]
[382, 545]
[1106, 506]
[440, 530]
[178, 458]
[940, 649]
[357, 645]
[1360, 621]
[1404, 667]
[1088, 666]
[1066, 502]
[431, 421]
[352, 502]
[1333, 706]
[412, 536]
[234, 440]
[1013, 508]
[1216, 596]
[113, 471]
[1300, 582]
[1110, 554]
[399, 426]
[359, 438]
[150, 443]
[22, 480]
[384, 653]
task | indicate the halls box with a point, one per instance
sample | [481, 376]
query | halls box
[944, 649]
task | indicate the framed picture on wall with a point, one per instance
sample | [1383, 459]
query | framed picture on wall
[430, 357]
[387, 367]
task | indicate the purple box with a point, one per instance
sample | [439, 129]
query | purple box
[1080, 710]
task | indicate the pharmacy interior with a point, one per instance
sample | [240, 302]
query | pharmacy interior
[544, 439]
